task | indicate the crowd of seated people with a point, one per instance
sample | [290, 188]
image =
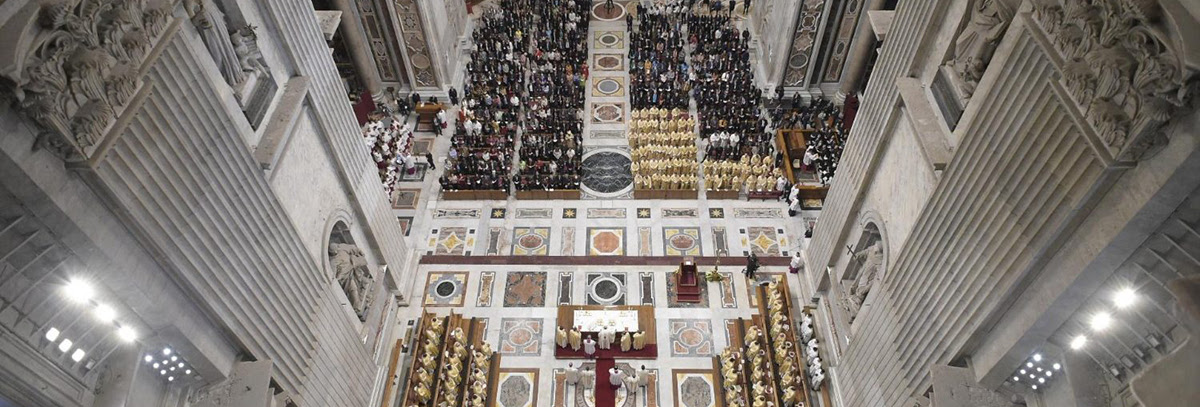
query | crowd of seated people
[551, 142]
[825, 136]
[658, 69]
[390, 142]
[481, 150]
[728, 108]
[664, 149]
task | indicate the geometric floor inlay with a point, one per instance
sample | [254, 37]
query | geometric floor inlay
[521, 336]
[525, 289]
[681, 241]
[531, 241]
[451, 240]
[694, 388]
[606, 288]
[691, 337]
[608, 62]
[762, 240]
[609, 39]
[606, 241]
[445, 289]
[518, 388]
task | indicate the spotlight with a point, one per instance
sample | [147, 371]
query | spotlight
[1035, 387]
[1057, 366]
[170, 378]
[155, 365]
[105, 313]
[163, 372]
[149, 358]
[1028, 364]
[1039, 368]
[1101, 321]
[1022, 371]
[79, 291]
[1041, 380]
[172, 368]
[1049, 373]
[189, 371]
[180, 364]
[52, 334]
[78, 355]
[65, 345]
[1078, 342]
[1032, 377]
[1124, 297]
[174, 358]
[166, 351]
[1016, 378]
[1037, 357]
[127, 334]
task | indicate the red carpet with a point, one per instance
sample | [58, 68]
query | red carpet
[648, 352]
[605, 395]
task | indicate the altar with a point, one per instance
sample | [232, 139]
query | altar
[619, 318]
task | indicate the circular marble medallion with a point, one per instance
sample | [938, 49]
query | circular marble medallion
[609, 39]
[683, 242]
[607, 172]
[531, 241]
[695, 392]
[606, 290]
[605, 13]
[446, 288]
[608, 86]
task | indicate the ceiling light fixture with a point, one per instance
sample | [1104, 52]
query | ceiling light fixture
[79, 291]
[1101, 321]
[65, 345]
[1037, 357]
[1078, 342]
[52, 334]
[1124, 297]
[78, 355]
[105, 313]
[128, 334]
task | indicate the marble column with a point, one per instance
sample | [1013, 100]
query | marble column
[359, 48]
[860, 53]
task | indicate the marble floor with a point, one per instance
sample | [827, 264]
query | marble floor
[519, 298]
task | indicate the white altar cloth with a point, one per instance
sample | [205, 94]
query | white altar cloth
[618, 320]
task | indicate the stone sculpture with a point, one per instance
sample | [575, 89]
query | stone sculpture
[350, 269]
[870, 261]
[210, 22]
[245, 44]
[977, 42]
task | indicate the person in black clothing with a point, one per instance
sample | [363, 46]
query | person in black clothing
[416, 99]
[453, 96]
[751, 266]
[429, 159]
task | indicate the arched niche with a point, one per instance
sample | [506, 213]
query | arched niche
[864, 271]
[349, 269]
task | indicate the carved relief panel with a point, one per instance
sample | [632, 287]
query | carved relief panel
[1124, 66]
[803, 42]
[82, 68]
[841, 44]
[374, 26]
[416, 45]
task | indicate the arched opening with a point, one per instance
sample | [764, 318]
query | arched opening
[864, 271]
[349, 268]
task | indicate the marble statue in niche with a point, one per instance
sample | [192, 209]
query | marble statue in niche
[350, 269]
[210, 23]
[976, 43]
[854, 292]
[245, 45]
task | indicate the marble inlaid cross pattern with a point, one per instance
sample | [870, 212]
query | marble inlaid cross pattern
[761, 240]
[691, 337]
[518, 388]
[606, 288]
[445, 289]
[525, 289]
[456, 214]
[405, 224]
[451, 240]
[534, 213]
[521, 336]
[672, 213]
[531, 241]
[645, 247]
[720, 241]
